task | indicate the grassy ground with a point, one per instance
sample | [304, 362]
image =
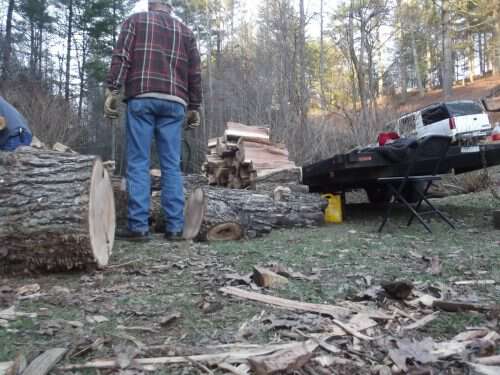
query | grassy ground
[148, 282]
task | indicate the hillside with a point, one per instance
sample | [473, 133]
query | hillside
[475, 91]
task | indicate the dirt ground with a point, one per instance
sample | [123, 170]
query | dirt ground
[165, 297]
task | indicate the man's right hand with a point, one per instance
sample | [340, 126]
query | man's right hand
[3, 123]
[111, 104]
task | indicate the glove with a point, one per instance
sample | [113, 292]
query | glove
[111, 104]
[193, 120]
[3, 123]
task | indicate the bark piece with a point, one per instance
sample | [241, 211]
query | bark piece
[57, 212]
[398, 289]
[268, 279]
[44, 363]
[283, 360]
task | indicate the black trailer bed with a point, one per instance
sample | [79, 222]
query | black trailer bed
[360, 169]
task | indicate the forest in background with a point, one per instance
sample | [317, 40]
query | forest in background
[324, 79]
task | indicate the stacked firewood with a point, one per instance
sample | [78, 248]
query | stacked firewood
[242, 155]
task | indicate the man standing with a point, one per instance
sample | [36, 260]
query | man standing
[158, 63]
[14, 130]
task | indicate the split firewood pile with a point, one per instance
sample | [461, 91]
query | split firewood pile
[242, 155]
[380, 332]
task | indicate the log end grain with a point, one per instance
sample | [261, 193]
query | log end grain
[194, 214]
[225, 232]
[102, 215]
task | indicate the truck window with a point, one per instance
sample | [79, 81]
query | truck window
[434, 114]
[464, 108]
[407, 124]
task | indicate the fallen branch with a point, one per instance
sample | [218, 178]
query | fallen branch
[229, 357]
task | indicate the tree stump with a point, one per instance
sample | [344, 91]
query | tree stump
[57, 212]
[232, 214]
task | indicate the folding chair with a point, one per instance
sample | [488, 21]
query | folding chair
[431, 149]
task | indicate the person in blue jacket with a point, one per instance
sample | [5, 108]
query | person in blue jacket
[14, 130]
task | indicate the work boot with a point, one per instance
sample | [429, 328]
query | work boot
[174, 236]
[128, 235]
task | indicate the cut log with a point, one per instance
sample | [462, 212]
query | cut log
[57, 212]
[257, 214]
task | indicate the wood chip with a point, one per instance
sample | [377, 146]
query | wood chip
[266, 278]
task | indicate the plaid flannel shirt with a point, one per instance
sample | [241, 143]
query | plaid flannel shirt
[156, 53]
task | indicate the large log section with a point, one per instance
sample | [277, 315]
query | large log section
[232, 214]
[57, 212]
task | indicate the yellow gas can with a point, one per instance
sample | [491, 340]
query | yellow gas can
[333, 213]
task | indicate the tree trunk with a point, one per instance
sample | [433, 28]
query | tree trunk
[416, 64]
[447, 63]
[68, 51]
[322, 56]
[57, 212]
[7, 50]
[496, 40]
[232, 214]
[403, 68]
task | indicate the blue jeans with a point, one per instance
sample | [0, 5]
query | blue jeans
[16, 141]
[163, 120]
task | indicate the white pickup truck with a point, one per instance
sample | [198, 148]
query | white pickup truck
[463, 120]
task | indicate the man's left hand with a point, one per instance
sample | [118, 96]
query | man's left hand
[3, 123]
[193, 120]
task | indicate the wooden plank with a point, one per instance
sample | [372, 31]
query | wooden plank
[330, 310]
[234, 129]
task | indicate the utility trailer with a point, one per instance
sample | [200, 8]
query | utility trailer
[360, 169]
